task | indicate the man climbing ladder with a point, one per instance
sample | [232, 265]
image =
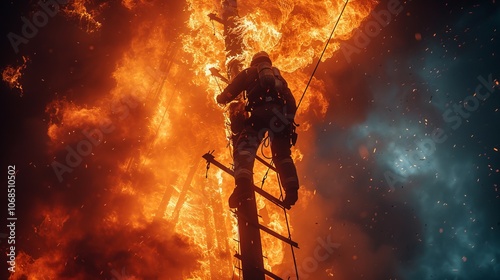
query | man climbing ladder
[271, 108]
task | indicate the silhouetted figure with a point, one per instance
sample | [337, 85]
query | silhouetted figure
[271, 107]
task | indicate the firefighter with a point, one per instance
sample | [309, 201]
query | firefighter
[271, 108]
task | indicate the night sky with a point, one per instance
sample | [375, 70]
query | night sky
[405, 164]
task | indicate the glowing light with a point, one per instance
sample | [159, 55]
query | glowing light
[164, 117]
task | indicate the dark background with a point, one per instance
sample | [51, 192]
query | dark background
[442, 220]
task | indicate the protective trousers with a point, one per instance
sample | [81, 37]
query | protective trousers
[245, 150]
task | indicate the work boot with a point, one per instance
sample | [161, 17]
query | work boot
[291, 196]
[239, 194]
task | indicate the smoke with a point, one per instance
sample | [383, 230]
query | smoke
[111, 122]
[438, 215]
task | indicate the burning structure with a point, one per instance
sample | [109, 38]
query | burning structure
[125, 195]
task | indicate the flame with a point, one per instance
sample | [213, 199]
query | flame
[164, 117]
[12, 74]
[79, 10]
[294, 34]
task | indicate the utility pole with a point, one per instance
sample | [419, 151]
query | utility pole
[250, 242]
[251, 248]
[248, 221]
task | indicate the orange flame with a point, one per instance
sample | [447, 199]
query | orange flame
[294, 34]
[12, 74]
[164, 113]
[78, 9]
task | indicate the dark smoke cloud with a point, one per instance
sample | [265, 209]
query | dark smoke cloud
[440, 222]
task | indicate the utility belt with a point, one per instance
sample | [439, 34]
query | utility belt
[264, 111]
[267, 100]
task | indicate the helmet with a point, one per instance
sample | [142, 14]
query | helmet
[260, 57]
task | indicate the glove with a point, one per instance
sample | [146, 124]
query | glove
[220, 99]
[223, 98]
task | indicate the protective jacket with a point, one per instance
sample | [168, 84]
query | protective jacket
[272, 108]
[248, 81]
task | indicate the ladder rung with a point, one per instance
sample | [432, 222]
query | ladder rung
[270, 231]
[269, 197]
[272, 275]
[279, 236]
[269, 273]
[210, 158]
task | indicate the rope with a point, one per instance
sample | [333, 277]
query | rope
[288, 228]
[321, 56]
[265, 143]
[298, 105]
[217, 81]
[314, 71]
[213, 26]
[300, 101]
[265, 177]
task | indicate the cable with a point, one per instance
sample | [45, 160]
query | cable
[265, 177]
[213, 25]
[298, 105]
[317, 64]
[321, 56]
[217, 81]
[300, 101]
[288, 228]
